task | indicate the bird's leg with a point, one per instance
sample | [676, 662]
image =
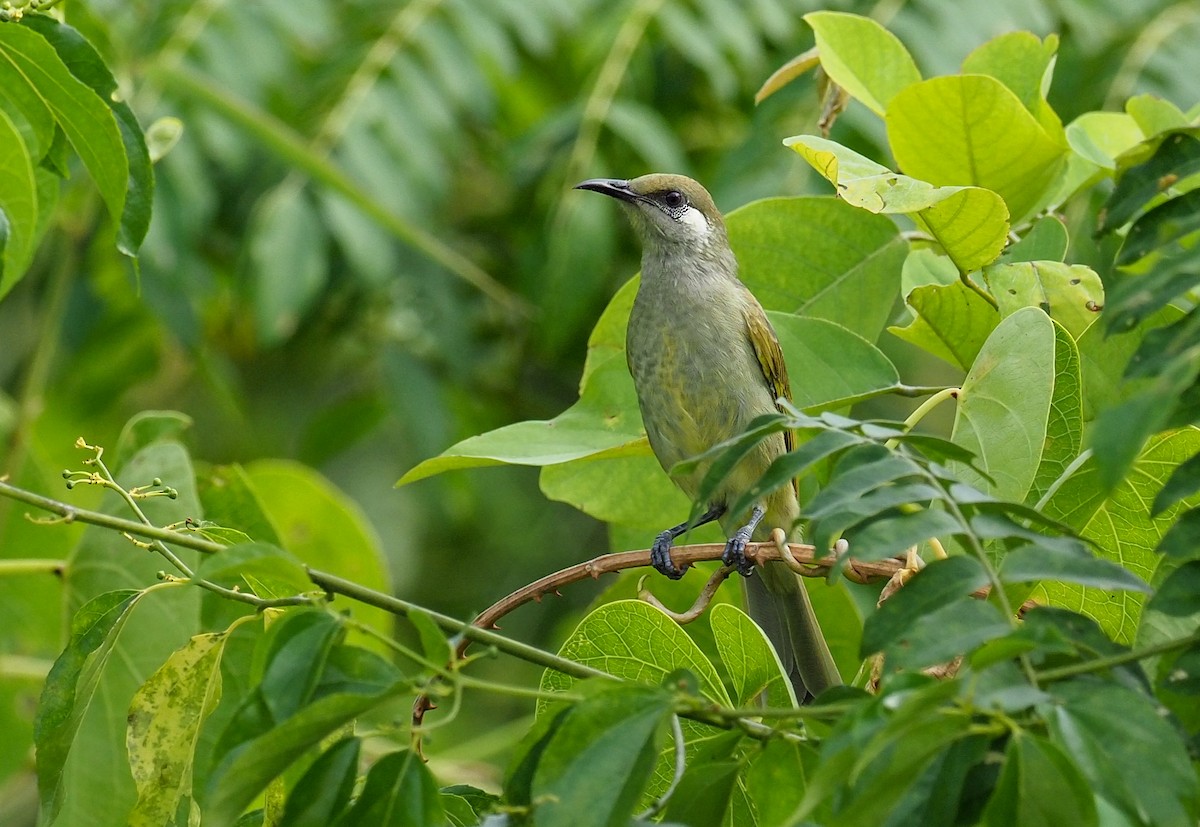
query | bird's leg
[735, 549]
[660, 552]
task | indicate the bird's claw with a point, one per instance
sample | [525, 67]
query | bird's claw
[735, 555]
[660, 557]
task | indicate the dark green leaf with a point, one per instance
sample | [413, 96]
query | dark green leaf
[884, 500]
[323, 792]
[1183, 538]
[877, 467]
[299, 646]
[1129, 754]
[1179, 594]
[703, 795]
[788, 466]
[1131, 298]
[1183, 483]
[957, 628]
[601, 754]
[71, 684]
[1161, 226]
[1067, 564]
[399, 792]
[936, 799]
[1177, 156]
[893, 535]
[938, 584]
[242, 776]
[1039, 785]
[1183, 674]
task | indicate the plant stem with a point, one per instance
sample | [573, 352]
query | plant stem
[36, 565]
[1132, 656]
[339, 585]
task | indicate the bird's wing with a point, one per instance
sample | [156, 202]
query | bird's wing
[770, 357]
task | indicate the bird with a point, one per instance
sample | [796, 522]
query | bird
[706, 362]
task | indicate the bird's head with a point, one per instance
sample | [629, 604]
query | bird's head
[666, 210]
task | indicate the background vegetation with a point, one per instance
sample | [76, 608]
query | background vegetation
[364, 248]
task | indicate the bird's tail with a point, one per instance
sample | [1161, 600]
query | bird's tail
[778, 602]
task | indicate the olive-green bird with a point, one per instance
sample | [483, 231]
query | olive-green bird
[705, 362]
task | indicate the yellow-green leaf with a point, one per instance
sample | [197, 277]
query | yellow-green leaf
[970, 223]
[862, 57]
[972, 130]
[1071, 294]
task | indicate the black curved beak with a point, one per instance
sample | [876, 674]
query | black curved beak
[613, 187]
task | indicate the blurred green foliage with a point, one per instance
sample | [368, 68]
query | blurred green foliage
[365, 248]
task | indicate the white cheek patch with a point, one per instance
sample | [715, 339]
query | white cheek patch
[695, 221]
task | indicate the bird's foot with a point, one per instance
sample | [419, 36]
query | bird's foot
[660, 556]
[735, 553]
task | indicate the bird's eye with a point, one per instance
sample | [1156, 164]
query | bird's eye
[674, 199]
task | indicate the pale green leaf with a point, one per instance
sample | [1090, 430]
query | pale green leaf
[952, 322]
[1024, 64]
[1154, 115]
[1071, 294]
[164, 727]
[1100, 137]
[862, 57]
[970, 223]
[1121, 527]
[1047, 240]
[971, 130]
[1004, 406]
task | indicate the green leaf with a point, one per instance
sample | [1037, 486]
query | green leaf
[164, 720]
[1039, 784]
[1173, 156]
[599, 755]
[893, 535]
[1064, 425]
[603, 423]
[932, 601]
[286, 262]
[1004, 408]
[748, 658]
[1130, 756]
[1179, 594]
[631, 639]
[862, 57]
[970, 223]
[400, 791]
[1067, 564]
[18, 204]
[952, 322]
[147, 427]
[1071, 294]
[86, 120]
[86, 64]
[1023, 63]
[838, 366]
[1153, 115]
[775, 780]
[323, 527]
[1047, 240]
[1081, 503]
[704, 794]
[821, 258]
[71, 686]
[1101, 137]
[323, 792]
[970, 130]
[1173, 221]
[240, 778]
